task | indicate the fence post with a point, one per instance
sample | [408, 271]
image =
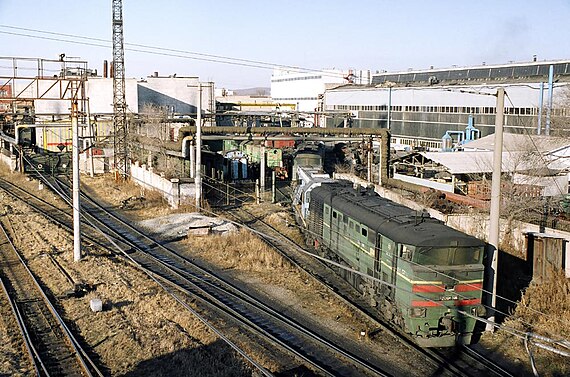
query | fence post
[273, 192]
[257, 191]
[227, 194]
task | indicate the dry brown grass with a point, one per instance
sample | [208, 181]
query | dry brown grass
[241, 251]
[285, 224]
[137, 202]
[544, 309]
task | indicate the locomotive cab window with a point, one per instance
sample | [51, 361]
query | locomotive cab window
[449, 256]
[406, 252]
[371, 238]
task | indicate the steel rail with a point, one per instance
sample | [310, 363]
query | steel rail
[30, 349]
[86, 364]
[135, 244]
[433, 356]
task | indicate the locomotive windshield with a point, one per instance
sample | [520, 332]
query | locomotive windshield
[448, 256]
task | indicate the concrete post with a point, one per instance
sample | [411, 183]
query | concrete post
[198, 178]
[380, 164]
[388, 125]
[227, 194]
[76, 192]
[262, 164]
[496, 202]
[550, 92]
[273, 188]
[13, 163]
[369, 162]
[257, 191]
[175, 192]
[540, 106]
[192, 160]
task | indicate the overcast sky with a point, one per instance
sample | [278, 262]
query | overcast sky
[360, 34]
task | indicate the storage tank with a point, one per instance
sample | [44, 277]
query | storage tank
[447, 143]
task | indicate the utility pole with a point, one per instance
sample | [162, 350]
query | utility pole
[549, 108]
[76, 189]
[540, 106]
[198, 175]
[119, 102]
[389, 121]
[494, 216]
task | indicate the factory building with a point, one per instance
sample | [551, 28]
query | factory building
[305, 89]
[176, 95]
[422, 107]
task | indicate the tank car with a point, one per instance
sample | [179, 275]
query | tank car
[425, 277]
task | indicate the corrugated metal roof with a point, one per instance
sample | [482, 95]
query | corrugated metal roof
[519, 142]
[482, 161]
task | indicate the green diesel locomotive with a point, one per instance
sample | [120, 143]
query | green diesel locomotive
[424, 276]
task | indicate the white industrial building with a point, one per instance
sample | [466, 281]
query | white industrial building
[177, 95]
[305, 89]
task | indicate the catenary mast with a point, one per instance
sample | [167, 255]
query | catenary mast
[119, 104]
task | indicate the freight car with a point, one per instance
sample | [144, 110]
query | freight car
[423, 276]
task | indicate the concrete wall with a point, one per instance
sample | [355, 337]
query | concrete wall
[9, 160]
[171, 189]
[447, 187]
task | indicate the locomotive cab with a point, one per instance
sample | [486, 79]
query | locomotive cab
[445, 294]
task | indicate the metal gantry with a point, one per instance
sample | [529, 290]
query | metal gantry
[120, 125]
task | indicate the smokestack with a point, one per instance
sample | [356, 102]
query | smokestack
[112, 70]
[105, 69]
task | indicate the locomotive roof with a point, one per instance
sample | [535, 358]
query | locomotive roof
[393, 220]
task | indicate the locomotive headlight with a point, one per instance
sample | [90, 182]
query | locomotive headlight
[417, 312]
[479, 311]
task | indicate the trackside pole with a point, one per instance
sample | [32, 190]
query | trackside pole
[75, 163]
[496, 203]
[198, 175]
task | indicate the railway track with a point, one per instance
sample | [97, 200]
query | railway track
[166, 263]
[180, 275]
[220, 295]
[463, 361]
[53, 349]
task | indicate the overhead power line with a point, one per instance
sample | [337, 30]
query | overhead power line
[162, 51]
